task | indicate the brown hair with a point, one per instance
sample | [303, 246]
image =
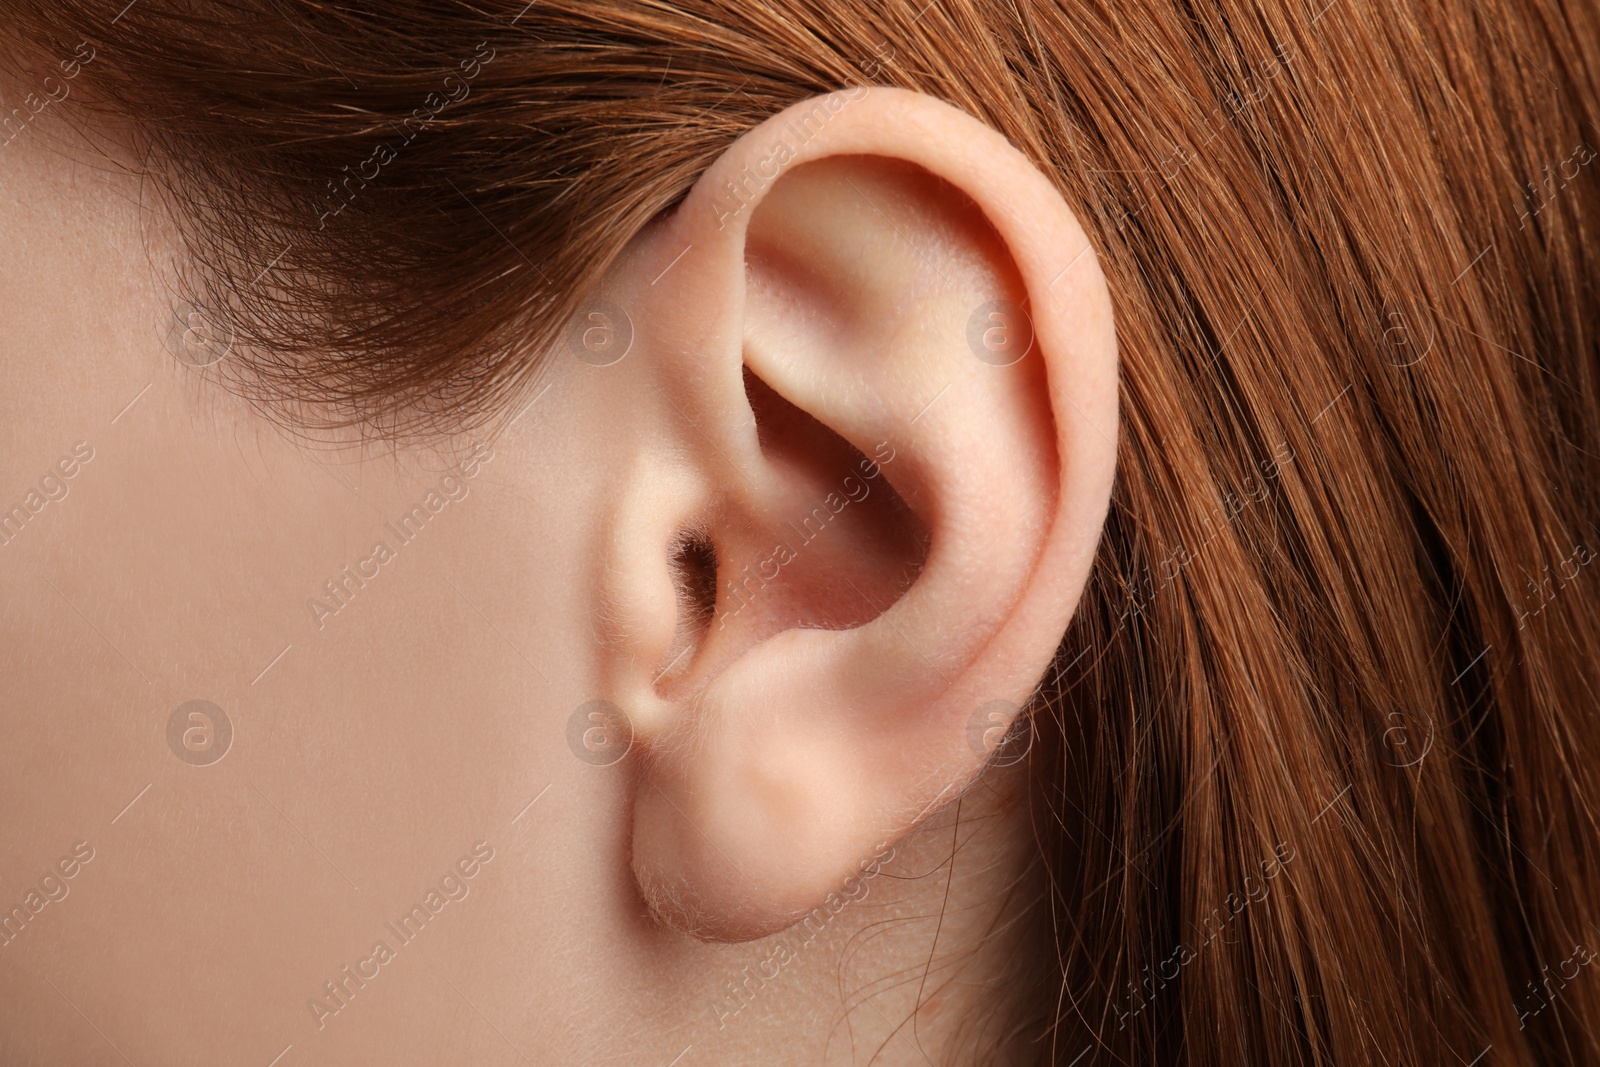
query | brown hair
[1326, 776]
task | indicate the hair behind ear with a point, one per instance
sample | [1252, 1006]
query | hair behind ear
[1312, 642]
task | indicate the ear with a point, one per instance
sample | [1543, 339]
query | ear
[873, 400]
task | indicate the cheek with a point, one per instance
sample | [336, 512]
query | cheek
[427, 711]
[438, 683]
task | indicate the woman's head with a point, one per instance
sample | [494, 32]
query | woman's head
[1062, 528]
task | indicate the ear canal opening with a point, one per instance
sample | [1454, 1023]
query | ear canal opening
[693, 561]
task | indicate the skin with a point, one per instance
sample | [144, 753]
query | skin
[778, 750]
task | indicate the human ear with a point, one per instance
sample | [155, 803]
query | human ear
[870, 286]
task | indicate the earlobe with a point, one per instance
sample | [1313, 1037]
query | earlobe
[886, 375]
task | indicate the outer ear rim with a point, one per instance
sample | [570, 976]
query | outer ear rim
[908, 125]
[1073, 322]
